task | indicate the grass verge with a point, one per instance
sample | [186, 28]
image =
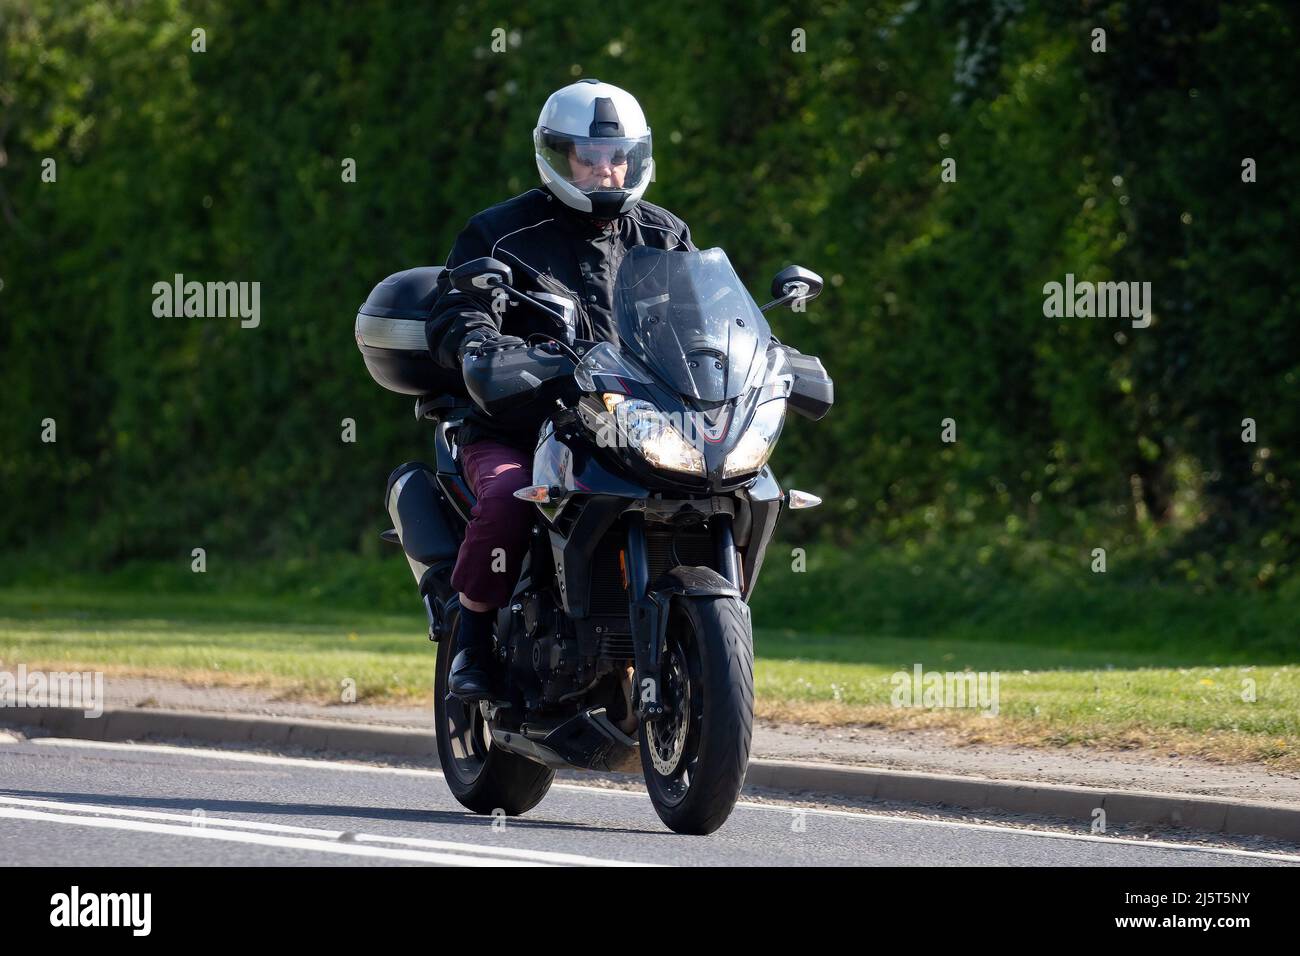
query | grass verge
[1131, 681]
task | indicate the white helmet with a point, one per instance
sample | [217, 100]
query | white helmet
[593, 148]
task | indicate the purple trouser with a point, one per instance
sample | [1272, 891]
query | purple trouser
[487, 567]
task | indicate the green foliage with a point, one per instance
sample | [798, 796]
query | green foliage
[226, 165]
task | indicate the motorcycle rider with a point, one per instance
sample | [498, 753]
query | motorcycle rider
[593, 152]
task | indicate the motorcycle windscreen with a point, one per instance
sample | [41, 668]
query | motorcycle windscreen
[686, 317]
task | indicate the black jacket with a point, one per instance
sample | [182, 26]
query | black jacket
[550, 248]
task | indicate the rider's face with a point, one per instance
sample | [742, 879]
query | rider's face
[598, 167]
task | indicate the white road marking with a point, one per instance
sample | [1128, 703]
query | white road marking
[210, 821]
[261, 839]
[335, 765]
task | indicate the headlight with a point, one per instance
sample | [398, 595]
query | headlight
[755, 446]
[647, 430]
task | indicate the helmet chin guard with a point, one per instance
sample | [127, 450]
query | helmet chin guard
[593, 149]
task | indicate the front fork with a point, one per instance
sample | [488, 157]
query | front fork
[649, 609]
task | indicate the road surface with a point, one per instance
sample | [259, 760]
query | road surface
[82, 803]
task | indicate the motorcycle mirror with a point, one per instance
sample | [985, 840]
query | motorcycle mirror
[783, 284]
[480, 275]
[793, 284]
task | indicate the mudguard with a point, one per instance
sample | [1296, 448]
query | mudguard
[692, 581]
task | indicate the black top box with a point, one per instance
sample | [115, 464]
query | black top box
[390, 335]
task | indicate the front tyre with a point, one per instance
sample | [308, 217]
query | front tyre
[482, 777]
[695, 756]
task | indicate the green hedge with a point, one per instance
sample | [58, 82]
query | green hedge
[225, 165]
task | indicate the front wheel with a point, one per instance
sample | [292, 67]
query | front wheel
[695, 756]
[482, 777]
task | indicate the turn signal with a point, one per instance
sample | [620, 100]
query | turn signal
[538, 494]
[801, 499]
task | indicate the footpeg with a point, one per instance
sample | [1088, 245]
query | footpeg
[489, 708]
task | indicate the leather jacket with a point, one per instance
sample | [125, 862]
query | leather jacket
[549, 248]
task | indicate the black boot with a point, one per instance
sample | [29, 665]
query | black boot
[468, 679]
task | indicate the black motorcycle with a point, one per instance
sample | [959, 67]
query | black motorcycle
[628, 640]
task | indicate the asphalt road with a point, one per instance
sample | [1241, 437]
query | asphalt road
[80, 803]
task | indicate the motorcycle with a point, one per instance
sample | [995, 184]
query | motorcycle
[628, 643]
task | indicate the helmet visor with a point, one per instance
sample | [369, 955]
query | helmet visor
[596, 163]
